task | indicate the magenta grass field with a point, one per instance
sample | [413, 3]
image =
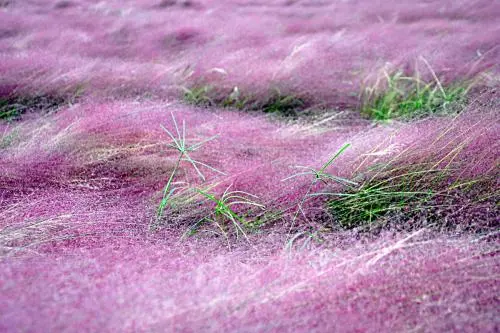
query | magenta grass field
[399, 233]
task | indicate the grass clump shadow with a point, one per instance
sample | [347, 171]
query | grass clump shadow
[13, 106]
[275, 103]
[398, 96]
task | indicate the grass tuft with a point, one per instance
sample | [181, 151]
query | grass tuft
[225, 209]
[283, 105]
[395, 95]
[198, 95]
[391, 190]
[179, 143]
[425, 193]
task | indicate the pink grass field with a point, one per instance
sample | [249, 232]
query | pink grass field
[80, 249]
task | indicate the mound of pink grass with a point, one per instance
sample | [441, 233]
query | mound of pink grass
[80, 190]
[405, 284]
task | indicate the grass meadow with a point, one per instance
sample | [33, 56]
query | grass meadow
[249, 166]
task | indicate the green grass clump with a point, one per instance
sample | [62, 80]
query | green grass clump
[390, 190]
[399, 96]
[421, 186]
[9, 109]
[224, 213]
[399, 186]
[236, 100]
[413, 199]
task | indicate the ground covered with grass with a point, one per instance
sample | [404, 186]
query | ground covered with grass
[249, 166]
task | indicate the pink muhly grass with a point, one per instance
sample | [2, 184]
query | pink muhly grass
[80, 185]
[138, 287]
[151, 49]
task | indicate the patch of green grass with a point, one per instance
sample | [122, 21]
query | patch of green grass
[236, 100]
[416, 181]
[399, 186]
[284, 105]
[398, 96]
[198, 95]
[394, 189]
[250, 216]
[9, 109]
